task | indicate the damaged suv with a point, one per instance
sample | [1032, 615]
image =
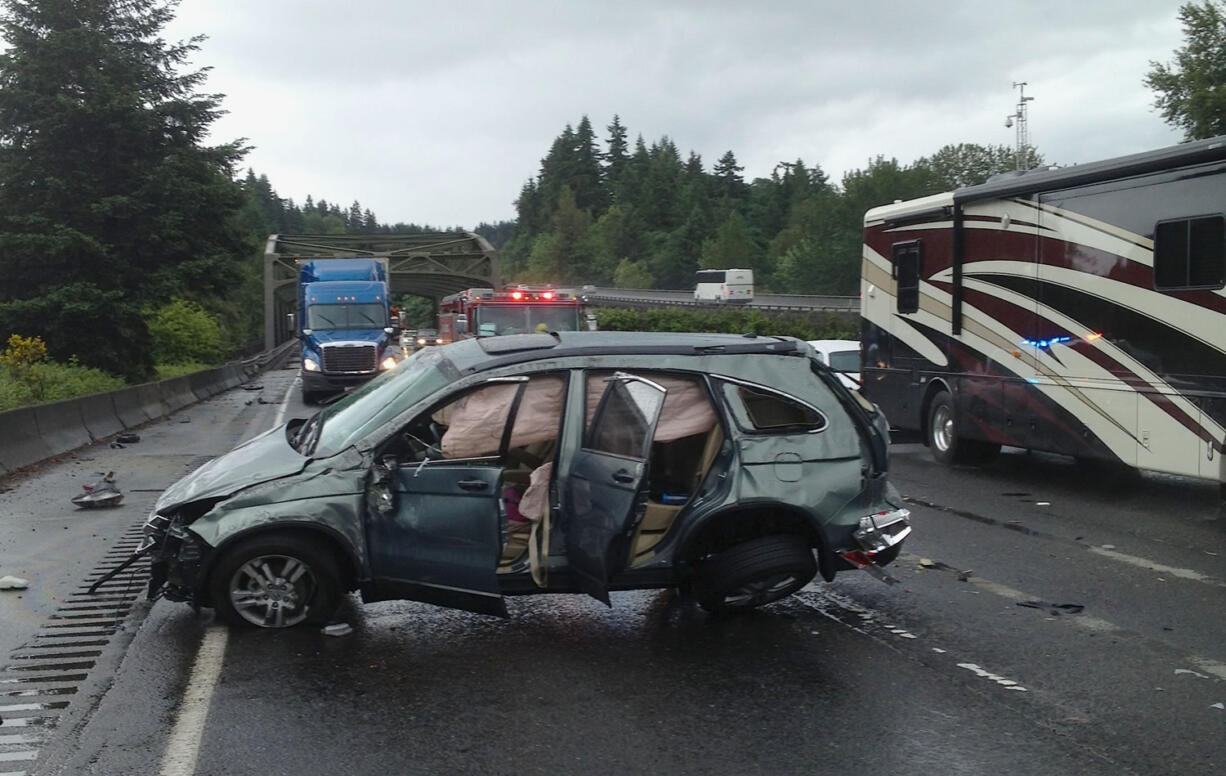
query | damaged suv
[736, 467]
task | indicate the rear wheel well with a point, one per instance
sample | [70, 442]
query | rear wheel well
[934, 387]
[344, 561]
[737, 526]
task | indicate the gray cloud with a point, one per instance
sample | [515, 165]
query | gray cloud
[437, 113]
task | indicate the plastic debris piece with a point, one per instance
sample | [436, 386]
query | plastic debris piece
[1218, 706]
[100, 493]
[965, 575]
[10, 582]
[1042, 503]
[1108, 546]
[117, 446]
[927, 563]
[337, 629]
[128, 439]
[253, 387]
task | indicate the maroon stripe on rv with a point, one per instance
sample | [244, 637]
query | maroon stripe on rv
[1142, 387]
[1019, 319]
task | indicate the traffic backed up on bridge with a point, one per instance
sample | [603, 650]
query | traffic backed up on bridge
[585, 462]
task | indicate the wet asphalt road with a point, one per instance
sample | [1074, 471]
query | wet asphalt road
[943, 672]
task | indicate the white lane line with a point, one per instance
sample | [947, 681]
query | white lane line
[1143, 563]
[184, 745]
[285, 402]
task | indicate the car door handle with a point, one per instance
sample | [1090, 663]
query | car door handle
[623, 476]
[473, 484]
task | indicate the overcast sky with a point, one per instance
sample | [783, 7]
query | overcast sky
[437, 112]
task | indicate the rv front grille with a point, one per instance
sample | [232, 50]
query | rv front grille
[349, 359]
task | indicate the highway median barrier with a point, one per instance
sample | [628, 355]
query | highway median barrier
[98, 415]
[22, 445]
[177, 393]
[33, 434]
[61, 425]
[130, 407]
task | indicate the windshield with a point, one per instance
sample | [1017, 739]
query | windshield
[845, 361]
[524, 319]
[329, 317]
[341, 424]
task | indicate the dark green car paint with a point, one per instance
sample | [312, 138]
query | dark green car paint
[441, 545]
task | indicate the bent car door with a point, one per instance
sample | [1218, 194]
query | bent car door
[605, 477]
[434, 525]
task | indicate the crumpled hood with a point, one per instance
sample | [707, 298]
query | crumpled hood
[260, 459]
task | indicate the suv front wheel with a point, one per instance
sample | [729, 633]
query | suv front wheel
[754, 573]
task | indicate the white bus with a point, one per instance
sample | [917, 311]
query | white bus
[724, 286]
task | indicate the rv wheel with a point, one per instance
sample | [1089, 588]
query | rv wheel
[947, 447]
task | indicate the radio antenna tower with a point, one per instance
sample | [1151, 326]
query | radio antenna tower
[1023, 132]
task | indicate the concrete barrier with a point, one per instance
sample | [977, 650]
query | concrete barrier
[177, 393]
[204, 384]
[130, 407]
[32, 434]
[152, 402]
[21, 445]
[61, 426]
[98, 414]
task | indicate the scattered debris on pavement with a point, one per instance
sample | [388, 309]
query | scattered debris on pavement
[128, 439]
[253, 387]
[962, 574]
[1056, 609]
[10, 582]
[337, 629]
[100, 493]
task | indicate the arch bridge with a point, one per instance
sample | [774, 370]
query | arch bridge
[429, 264]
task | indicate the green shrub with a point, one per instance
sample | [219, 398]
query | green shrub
[184, 332]
[806, 326]
[49, 381]
[167, 371]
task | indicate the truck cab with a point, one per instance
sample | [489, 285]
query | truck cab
[344, 324]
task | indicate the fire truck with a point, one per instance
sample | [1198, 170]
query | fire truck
[484, 312]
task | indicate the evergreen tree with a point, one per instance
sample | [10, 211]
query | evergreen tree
[728, 176]
[108, 196]
[617, 155]
[585, 178]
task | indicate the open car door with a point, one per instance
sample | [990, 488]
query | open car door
[602, 504]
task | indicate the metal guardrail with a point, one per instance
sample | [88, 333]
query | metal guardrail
[651, 298]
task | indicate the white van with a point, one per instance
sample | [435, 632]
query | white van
[724, 286]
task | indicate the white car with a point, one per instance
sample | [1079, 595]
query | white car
[842, 356]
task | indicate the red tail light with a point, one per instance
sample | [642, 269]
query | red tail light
[547, 295]
[517, 295]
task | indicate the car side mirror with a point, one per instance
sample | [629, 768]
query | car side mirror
[388, 330]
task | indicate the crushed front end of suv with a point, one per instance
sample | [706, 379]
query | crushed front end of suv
[738, 468]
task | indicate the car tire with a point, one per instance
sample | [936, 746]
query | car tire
[943, 440]
[276, 581]
[754, 573]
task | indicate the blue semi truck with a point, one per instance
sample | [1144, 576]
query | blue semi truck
[343, 323]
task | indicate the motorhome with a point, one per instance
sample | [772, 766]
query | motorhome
[1077, 310]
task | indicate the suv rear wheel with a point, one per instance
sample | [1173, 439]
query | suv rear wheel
[754, 573]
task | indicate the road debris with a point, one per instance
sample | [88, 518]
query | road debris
[962, 574]
[253, 387]
[1056, 609]
[10, 582]
[128, 439]
[337, 629]
[100, 493]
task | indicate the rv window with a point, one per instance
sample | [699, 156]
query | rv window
[908, 258]
[1190, 253]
